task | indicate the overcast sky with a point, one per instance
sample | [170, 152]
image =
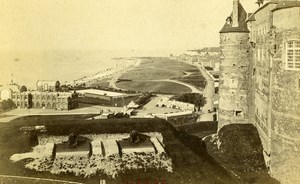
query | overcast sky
[113, 24]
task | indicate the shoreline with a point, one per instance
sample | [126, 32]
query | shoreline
[124, 65]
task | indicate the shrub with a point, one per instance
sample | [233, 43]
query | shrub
[194, 98]
[7, 104]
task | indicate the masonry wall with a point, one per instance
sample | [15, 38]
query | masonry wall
[261, 62]
[285, 115]
[234, 78]
[277, 103]
[256, 80]
[287, 18]
[45, 100]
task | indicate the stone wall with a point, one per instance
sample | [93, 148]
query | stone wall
[285, 139]
[287, 18]
[234, 80]
[259, 81]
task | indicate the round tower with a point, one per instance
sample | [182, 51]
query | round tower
[234, 68]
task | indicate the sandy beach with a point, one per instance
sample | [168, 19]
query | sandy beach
[123, 65]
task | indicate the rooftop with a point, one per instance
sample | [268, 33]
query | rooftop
[99, 92]
[251, 17]
[280, 5]
[242, 25]
[210, 49]
[286, 4]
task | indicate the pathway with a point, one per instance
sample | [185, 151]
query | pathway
[209, 90]
[193, 88]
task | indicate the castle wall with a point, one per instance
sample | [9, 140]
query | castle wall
[277, 101]
[261, 76]
[263, 81]
[234, 69]
[285, 114]
[276, 98]
[287, 18]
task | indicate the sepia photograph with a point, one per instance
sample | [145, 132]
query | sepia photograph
[149, 92]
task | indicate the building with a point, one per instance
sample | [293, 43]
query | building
[178, 118]
[47, 96]
[7, 91]
[45, 100]
[234, 68]
[100, 94]
[209, 51]
[102, 97]
[260, 80]
[47, 85]
[166, 102]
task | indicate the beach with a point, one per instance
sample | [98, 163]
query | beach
[26, 67]
[122, 66]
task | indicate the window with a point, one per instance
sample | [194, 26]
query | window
[239, 113]
[293, 55]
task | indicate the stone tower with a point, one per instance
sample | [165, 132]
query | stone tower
[234, 68]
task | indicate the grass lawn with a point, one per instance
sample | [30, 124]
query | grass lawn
[154, 86]
[194, 77]
[99, 83]
[160, 69]
[191, 163]
[151, 73]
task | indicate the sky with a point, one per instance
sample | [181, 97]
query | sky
[113, 24]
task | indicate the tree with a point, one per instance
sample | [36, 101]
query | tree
[194, 98]
[7, 104]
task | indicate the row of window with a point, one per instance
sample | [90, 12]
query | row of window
[18, 97]
[40, 105]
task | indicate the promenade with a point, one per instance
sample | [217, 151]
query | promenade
[208, 92]
[209, 89]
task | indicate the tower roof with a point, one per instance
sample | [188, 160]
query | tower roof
[242, 25]
[251, 17]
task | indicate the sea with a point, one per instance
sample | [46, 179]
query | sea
[26, 67]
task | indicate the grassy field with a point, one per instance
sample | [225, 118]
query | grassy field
[151, 73]
[194, 77]
[144, 76]
[154, 86]
[99, 83]
[191, 162]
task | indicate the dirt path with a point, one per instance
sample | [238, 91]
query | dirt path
[193, 88]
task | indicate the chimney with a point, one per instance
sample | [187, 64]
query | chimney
[235, 13]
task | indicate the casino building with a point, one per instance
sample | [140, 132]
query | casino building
[47, 96]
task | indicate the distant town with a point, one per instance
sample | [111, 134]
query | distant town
[223, 114]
